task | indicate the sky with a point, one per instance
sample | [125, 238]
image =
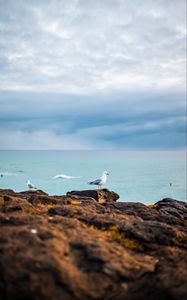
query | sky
[92, 74]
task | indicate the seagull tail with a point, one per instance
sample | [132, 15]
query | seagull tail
[90, 182]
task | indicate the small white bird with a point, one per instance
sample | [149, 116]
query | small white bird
[30, 185]
[101, 181]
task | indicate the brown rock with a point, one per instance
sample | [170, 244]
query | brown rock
[2, 200]
[14, 204]
[7, 192]
[72, 247]
[28, 193]
[101, 196]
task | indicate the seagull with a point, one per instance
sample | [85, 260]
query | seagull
[101, 181]
[30, 185]
[65, 176]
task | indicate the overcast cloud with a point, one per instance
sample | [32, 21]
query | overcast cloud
[92, 74]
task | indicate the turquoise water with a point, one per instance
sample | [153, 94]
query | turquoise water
[136, 176]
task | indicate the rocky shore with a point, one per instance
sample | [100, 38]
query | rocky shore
[88, 246]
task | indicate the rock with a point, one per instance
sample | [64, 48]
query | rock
[41, 199]
[2, 200]
[173, 208]
[7, 198]
[101, 196]
[61, 211]
[75, 247]
[37, 197]
[12, 208]
[28, 193]
[7, 192]
[15, 204]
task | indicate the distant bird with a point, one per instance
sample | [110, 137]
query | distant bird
[30, 185]
[63, 176]
[101, 181]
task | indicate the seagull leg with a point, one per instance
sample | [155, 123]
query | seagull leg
[99, 187]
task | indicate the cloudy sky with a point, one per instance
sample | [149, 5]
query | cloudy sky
[92, 74]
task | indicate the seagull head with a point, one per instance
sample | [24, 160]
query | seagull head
[106, 173]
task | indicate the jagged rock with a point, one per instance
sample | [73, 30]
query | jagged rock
[173, 208]
[101, 196]
[29, 193]
[73, 247]
[42, 199]
[14, 204]
[7, 192]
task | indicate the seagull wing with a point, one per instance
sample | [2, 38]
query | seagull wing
[95, 182]
[31, 186]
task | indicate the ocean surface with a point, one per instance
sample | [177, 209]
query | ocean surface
[136, 176]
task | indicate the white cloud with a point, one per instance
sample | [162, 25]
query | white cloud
[83, 74]
[84, 46]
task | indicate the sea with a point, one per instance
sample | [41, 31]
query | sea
[137, 176]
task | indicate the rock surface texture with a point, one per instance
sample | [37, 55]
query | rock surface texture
[87, 246]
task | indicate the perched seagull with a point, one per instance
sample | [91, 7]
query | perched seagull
[30, 185]
[63, 176]
[101, 181]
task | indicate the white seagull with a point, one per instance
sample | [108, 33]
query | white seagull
[30, 185]
[101, 181]
[63, 176]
